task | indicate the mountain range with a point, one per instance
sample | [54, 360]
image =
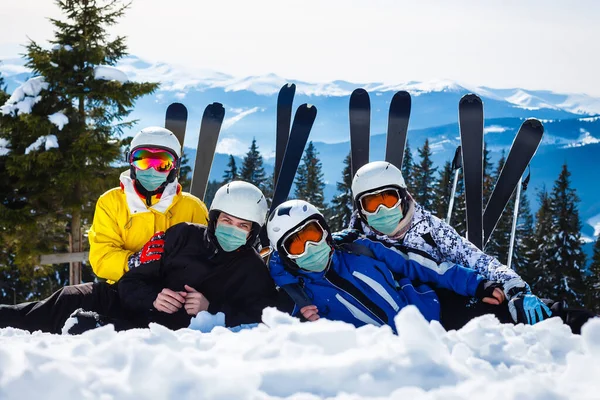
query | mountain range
[571, 121]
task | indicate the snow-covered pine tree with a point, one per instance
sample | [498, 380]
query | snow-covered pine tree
[524, 249]
[252, 168]
[442, 191]
[499, 242]
[64, 124]
[342, 205]
[408, 167]
[593, 280]
[567, 261]
[541, 279]
[309, 178]
[231, 173]
[424, 178]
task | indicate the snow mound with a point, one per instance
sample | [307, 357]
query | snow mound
[108, 73]
[24, 97]
[4, 150]
[286, 359]
[59, 119]
[49, 142]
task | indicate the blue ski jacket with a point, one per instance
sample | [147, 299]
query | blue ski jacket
[361, 289]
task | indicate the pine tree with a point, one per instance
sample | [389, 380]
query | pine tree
[540, 275]
[442, 191]
[568, 258]
[185, 172]
[593, 280]
[231, 174]
[499, 242]
[408, 167]
[309, 178]
[458, 219]
[488, 177]
[524, 246]
[252, 168]
[424, 180]
[211, 190]
[94, 112]
[342, 204]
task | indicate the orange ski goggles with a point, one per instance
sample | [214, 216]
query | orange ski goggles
[145, 158]
[296, 243]
[371, 202]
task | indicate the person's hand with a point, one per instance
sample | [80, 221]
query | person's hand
[490, 292]
[152, 251]
[528, 309]
[345, 236]
[169, 301]
[310, 313]
[195, 301]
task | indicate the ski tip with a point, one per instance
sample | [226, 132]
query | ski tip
[534, 123]
[359, 92]
[470, 98]
[309, 105]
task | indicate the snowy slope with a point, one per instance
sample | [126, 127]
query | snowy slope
[290, 360]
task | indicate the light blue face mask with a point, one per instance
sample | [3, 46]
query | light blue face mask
[230, 237]
[385, 220]
[316, 257]
[151, 179]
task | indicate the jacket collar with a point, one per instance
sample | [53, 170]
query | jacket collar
[136, 204]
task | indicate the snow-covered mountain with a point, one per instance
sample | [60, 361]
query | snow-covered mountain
[572, 121]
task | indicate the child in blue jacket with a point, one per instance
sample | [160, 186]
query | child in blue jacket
[365, 283]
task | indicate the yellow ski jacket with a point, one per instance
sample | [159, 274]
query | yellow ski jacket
[123, 223]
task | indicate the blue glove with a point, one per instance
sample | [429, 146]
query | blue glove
[345, 236]
[528, 309]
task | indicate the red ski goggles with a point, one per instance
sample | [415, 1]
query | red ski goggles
[145, 158]
[296, 242]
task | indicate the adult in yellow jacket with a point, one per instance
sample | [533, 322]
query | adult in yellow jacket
[148, 201]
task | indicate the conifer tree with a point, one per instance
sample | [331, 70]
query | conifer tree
[424, 172]
[443, 191]
[540, 278]
[82, 110]
[593, 280]
[408, 167]
[211, 190]
[568, 259]
[489, 178]
[524, 247]
[231, 173]
[309, 178]
[342, 204]
[252, 168]
[499, 241]
[458, 219]
[185, 172]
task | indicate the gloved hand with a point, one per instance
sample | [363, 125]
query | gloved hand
[514, 287]
[152, 251]
[490, 292]
[528, 309]
[345, 236]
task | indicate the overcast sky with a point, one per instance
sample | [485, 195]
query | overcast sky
[517, 43]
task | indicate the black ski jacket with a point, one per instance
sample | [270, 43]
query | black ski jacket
[235, 283]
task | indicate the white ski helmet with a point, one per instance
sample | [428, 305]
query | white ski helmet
[288, 216]
[155, 136]
[376, 175]
[242, 200]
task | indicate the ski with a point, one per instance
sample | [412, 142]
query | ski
[176, 120]
[470, 118]
[521, 152]
[397, 128]
[205, 151]
[303, 122]
[360, 124]
[284, 119]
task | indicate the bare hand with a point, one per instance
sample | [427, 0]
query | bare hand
[195, 301]
[497, 299]
[169, 301]
[310, 313]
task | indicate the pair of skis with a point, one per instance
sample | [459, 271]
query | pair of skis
[481, 223]
[210, 127]
[360, 124]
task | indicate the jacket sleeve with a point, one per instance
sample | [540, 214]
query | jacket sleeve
[454, 277]
[456, 249]
[139, 287]
[108, 256]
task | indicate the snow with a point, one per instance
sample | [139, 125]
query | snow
[4, 150]
[495, 129]
[24, 97]
[49, 142]
[528, 101]
[108, 73]
[584, 139]
[286, 359]
[59, 119]
[595, 223]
